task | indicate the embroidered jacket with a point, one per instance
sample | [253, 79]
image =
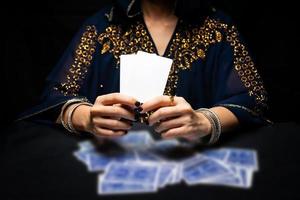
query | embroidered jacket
[212, 66]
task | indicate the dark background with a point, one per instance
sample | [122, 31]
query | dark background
[36, 34]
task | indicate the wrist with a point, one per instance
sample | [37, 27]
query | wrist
[205, 124]
[216, 127]
[81, 118]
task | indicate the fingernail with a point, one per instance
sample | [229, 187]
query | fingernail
[138, 104]
[147, 122]
[138, 110]
[125, 132]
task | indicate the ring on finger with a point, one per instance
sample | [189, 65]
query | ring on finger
[171, 100]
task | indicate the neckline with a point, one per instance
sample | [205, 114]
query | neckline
[165, 53]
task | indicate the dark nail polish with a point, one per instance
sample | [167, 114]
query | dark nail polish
[138, 110]
[138, 104]
[146, 122]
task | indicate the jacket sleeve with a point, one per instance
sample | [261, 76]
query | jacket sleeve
[237, 84]
[66, 79]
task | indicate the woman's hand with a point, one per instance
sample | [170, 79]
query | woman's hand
[176, 119]
[111, 115]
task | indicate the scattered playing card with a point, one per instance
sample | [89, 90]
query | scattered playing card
[201, 169]
[134, 177]
[143, 165]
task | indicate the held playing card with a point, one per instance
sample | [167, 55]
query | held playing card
[143, 75]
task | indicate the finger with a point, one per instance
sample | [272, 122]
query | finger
[116, 98]
[169, 124]
[112, 124]
[174, 133]
[164, 113]
[123, 106]
[102, 132]
[115, 112]
[157, 102]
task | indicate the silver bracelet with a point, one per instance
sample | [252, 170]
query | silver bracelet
[65, 106]
[216, 127]
[70, 114]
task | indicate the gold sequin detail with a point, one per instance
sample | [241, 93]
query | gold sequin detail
[201, 54]
[246, 70]
[106, 47]
[82, 60]
[117, 42]
[218, 36]
[190, 44]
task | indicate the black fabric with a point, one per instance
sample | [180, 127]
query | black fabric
[38, 164]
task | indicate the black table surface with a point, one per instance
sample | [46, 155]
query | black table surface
[37, 163]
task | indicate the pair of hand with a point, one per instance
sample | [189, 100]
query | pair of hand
[113, 115]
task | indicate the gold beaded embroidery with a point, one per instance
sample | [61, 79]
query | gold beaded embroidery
[118, 43]
[189, 44]
[83, 58]
[245, 68]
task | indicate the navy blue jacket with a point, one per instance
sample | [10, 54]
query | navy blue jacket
[211, 64]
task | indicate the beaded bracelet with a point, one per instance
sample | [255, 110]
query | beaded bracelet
[216, 127]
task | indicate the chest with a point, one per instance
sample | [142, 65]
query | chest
[161, 33]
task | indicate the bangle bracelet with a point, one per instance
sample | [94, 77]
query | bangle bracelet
[65, 106]
[216, 127]
[70, 114]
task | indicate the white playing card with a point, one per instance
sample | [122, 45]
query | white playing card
[143, 75]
